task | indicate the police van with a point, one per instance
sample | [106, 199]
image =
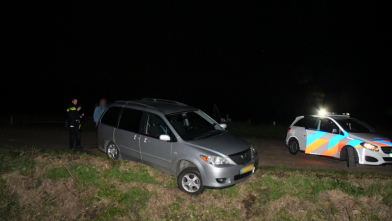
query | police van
[339, 136]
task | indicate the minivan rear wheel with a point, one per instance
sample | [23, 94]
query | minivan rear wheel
[293, 146]
[190, 181]
[112, 152]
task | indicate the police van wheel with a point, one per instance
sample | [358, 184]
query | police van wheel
[190, 181]
[293, 146]
[350, 159]
[112, 152]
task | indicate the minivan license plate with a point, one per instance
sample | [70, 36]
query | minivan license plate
[247, 169]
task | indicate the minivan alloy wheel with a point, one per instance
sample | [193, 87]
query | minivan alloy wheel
[112, 151]
[191, 182]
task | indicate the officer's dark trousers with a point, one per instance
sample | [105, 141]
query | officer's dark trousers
[74, 133]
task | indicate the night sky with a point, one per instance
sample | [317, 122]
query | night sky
[260, 60]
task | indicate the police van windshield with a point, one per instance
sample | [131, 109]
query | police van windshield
[194, 125]
[355, 126]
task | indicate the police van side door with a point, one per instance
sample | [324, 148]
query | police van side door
[323, 137]
[336, 138]
[314, 135]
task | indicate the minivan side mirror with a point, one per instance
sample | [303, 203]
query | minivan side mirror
[164, 137]
[334, 131]
[224, 126]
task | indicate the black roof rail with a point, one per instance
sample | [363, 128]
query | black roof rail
[162, 100]
[132, 102]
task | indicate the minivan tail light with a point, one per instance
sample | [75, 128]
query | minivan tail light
[288, 129]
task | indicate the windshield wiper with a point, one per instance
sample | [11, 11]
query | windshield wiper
[208, 134]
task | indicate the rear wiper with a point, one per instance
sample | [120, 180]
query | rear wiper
[208, 134]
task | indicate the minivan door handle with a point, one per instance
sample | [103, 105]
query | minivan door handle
[145, 140]
[135, 137]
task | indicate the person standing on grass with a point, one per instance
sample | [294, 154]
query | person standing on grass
[74, 122]
[98, 112]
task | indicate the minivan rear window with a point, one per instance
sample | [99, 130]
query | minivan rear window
[111, 115]
[130, 120]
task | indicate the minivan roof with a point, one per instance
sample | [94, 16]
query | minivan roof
[164, 106]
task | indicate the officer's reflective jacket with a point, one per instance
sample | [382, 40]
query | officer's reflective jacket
[73, 115]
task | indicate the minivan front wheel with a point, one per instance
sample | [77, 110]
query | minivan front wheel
[112, 152]
[190, 181]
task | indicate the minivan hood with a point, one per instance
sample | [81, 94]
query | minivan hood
[371, 137]
[225, 143]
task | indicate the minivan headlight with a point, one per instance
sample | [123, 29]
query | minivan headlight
[215, 160]
[253, 151]
[370, 146]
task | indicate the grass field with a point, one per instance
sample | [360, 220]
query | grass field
[42, 185]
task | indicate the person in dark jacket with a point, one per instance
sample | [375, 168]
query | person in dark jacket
[74, 122]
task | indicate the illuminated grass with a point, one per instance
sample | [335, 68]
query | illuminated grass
[63, 185]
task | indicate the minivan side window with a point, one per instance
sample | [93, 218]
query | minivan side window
[155, 127]
[111, 115]
[130, 120]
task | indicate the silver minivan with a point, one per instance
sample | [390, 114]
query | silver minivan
[177, 139]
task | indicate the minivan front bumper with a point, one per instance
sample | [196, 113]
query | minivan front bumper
[221, 177]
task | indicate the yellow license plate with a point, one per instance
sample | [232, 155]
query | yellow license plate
[247, 169]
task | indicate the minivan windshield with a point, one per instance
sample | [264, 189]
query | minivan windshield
[354, 125]
[194, 125]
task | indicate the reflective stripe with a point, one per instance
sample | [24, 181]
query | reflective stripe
[355, 143]
[315, 145]
[71, 109]
[334, 150]
[383, 143]
[335, 140]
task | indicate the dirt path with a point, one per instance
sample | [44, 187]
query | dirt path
[275, 153]
[271, 152]
[44, 137]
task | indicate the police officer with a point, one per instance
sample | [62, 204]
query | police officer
[74, 122]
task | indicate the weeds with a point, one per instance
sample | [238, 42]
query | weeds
[9, 205]
[60, 185]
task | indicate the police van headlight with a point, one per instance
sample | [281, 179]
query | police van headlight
[370, 146]
[215, 160]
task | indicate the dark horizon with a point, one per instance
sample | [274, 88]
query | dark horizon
[262, 61]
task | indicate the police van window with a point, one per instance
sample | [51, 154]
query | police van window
[354, 125]
[155, 127]
[325, 125]
[111, 116]
[313, 123]
[130, 120]
[300, 123]
[329, 126]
